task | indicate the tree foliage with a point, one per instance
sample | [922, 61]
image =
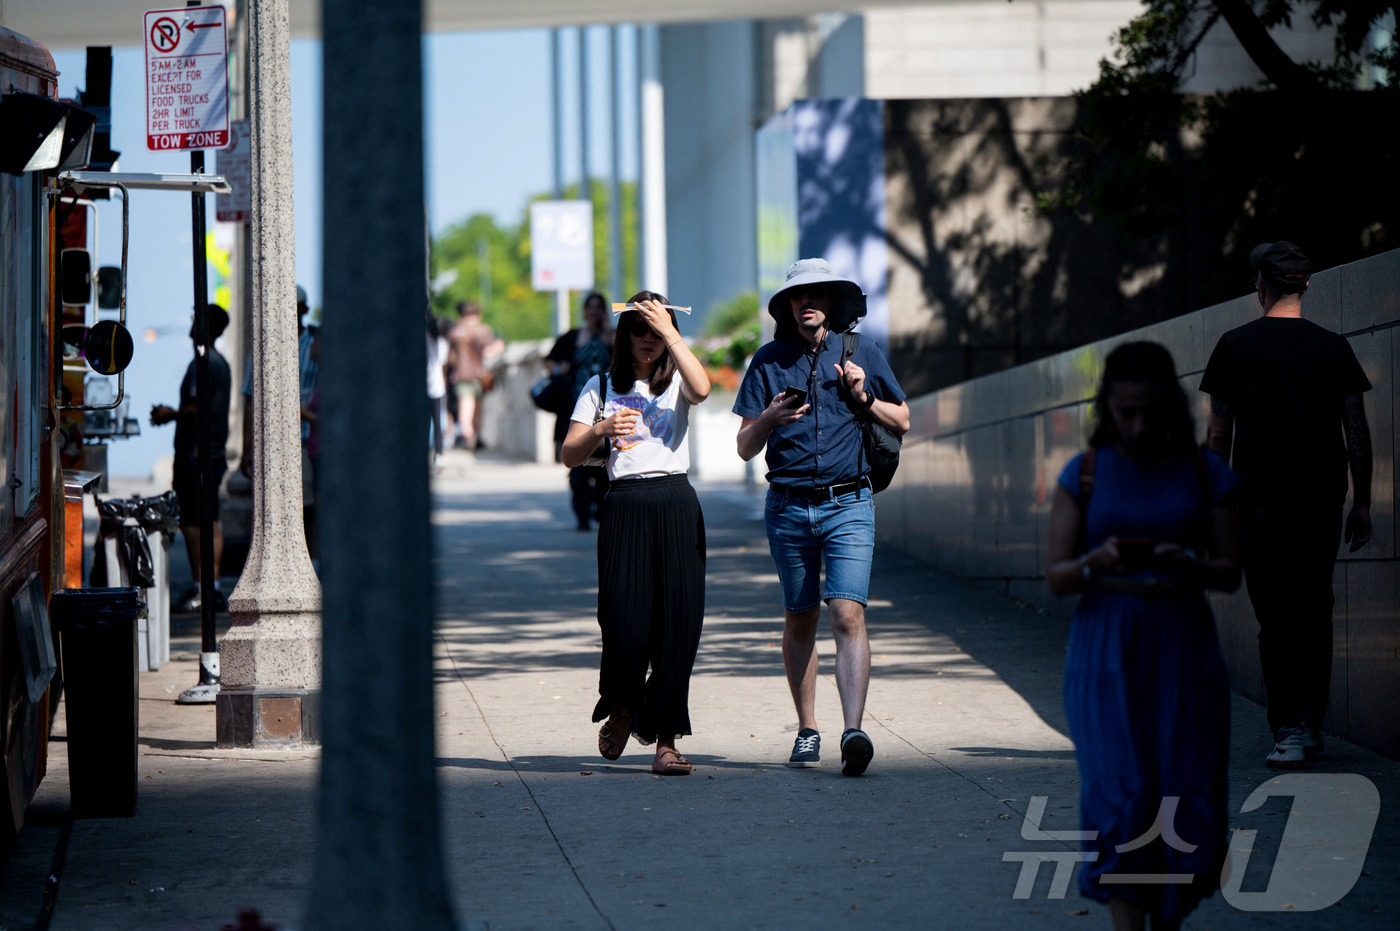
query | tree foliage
[1131, 165]
[492, 265]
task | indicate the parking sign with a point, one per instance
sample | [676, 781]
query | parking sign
[186, 79]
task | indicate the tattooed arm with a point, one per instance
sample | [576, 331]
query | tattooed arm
[1222, 427]
[1358, 526]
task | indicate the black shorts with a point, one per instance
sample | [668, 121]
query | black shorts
[186, 484]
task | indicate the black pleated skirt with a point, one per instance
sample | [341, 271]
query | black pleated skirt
[651, 602]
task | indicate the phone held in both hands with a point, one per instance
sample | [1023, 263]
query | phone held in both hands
[795, 397]
[1135, 551]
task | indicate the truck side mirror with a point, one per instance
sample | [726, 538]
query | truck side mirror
[109, 287]
[75, 271]
[108, 347]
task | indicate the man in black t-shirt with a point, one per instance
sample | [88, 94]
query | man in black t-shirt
[1286, 393]
[186, 465]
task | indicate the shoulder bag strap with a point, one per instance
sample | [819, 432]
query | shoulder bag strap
[1086, 491]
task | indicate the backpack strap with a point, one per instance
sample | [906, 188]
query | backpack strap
[1086, 491]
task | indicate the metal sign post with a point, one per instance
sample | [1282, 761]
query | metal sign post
[187, 108]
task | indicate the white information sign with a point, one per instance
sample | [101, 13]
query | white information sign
[236, 166]
[561, 245]
[186, 79]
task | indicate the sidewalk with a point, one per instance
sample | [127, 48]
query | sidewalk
[539, 832]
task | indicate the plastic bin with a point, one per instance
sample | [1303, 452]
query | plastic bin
[97, 630]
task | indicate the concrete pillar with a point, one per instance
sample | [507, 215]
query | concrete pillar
[378, 858]
[271, 656]
[653, 168]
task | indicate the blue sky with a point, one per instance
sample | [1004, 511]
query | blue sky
[488, 149]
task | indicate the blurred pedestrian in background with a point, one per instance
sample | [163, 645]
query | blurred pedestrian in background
[437, 380]
[1142, 523]
[582, 354]
[1294, 391]
[651, 535]
[472, 343]
[307, 369]
[185, 478]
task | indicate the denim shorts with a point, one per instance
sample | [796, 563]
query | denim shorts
[802, 533]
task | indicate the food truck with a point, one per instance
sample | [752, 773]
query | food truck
[33, 524]
[63, 349]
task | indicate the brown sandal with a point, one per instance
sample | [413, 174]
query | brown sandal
[677, 765]
[610, 744]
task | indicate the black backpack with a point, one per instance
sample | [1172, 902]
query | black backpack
[880, 444]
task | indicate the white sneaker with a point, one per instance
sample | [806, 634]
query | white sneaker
[1288, 750]
[1313, 744]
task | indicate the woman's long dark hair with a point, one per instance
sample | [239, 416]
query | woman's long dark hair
[1150, 363]
[622, 373]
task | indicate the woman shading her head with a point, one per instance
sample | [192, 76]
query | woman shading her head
[642, 344]
[651, 533]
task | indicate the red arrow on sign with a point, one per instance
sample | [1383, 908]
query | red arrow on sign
[202, 25]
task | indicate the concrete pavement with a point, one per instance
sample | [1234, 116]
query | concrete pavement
[539, 831]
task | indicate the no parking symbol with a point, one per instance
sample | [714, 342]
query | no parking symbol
[165, 34]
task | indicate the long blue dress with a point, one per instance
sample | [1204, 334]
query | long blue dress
[1147, 697]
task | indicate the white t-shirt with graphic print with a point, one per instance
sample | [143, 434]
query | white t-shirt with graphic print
[660, 445]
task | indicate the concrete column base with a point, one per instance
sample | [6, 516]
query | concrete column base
[267, 718]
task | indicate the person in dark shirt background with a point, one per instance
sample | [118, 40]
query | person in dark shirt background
[1286, 409]
[186, 466]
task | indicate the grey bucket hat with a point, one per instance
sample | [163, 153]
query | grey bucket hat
[847, 299]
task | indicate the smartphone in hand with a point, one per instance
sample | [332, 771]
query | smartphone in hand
[796, 397]
[1135, 551]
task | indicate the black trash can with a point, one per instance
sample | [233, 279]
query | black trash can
[97, 627]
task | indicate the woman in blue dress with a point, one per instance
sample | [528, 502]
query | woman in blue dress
[1142, 523]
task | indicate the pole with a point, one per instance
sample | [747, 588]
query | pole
[378, 860]
[561, 298]
[615, 169]
[585, 186]
[653, 167]
[204, 693]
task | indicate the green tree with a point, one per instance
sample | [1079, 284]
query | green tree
[492, 265]
[1147, 153]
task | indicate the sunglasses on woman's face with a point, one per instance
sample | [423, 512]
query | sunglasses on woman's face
[640, 328]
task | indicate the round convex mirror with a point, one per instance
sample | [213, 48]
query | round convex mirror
[73, 336]
[108, 348]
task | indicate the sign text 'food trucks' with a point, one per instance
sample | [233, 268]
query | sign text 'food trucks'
[186, 79]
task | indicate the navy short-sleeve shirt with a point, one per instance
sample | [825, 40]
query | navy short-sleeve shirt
[823, 447]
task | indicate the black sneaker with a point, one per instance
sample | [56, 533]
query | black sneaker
[856, 752]
[806, 750]
[189, 604]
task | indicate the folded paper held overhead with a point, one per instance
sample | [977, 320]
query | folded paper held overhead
[619, 308]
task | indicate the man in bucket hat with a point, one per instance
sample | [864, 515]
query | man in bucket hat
[1294, 390]
[799, 401]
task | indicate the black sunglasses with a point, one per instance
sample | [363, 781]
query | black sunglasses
[640, 327]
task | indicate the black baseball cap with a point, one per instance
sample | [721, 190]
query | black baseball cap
[1282, 265]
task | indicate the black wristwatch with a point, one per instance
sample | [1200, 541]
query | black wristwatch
[869, 401]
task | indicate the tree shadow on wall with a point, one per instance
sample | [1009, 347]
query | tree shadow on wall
[1002, 284]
